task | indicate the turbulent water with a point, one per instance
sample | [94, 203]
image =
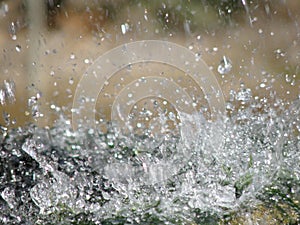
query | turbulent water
[58, 176]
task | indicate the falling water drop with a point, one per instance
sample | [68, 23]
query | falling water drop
[2, 97]
[57, 175]
[34, 106]
[7, 93]
[198, 57]
[18, 48]
[72, 56]
[225, 66]
[6, 118]
[9, 88]
[125, 28]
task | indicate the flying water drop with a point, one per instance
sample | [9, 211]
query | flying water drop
[7, 92]
[18, 48]
[225, 66]
[125, 28]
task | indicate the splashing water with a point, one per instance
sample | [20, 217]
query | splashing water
[195, 171]
[7, 92]
[63, 176]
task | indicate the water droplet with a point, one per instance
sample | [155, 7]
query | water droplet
[4, 9]
[125, 28]
[197, 57]
[279, 53]
[172, 116]
[262, 85]
[6, 118]
[290, 78]
[71, 81]
[18, 48]
[2, 97]
[7, 93]
[33, 104]
[72, 56]
[129, 67]
[14, 121]
[12, 28]
[225, 66]
[186, 26]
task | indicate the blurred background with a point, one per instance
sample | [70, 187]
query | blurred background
[47, 45]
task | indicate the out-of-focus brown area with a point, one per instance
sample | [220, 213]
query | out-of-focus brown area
[261, 39]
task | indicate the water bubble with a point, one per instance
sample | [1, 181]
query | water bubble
[225, 66]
